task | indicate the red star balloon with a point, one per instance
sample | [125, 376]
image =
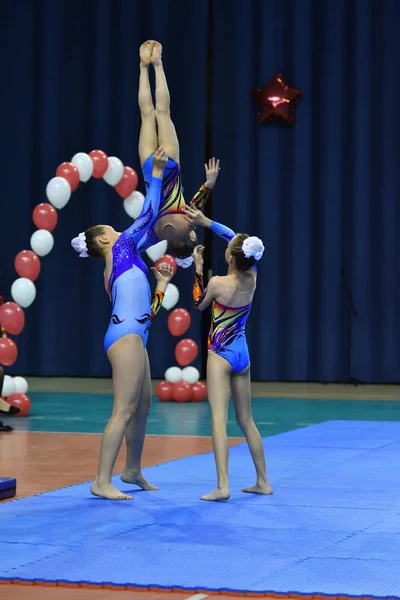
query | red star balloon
[276, 101]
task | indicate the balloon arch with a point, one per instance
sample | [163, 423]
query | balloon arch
[181, 384]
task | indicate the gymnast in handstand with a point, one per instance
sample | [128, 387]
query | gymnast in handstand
[133, 309]
[170, 223]
[228, 363]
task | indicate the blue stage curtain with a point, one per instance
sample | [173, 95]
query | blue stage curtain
[322, 194]
[70, 81]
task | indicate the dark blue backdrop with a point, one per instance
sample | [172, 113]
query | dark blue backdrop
[323, 195]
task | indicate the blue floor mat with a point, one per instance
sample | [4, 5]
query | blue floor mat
[331, 527]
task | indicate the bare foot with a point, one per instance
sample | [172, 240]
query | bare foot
[139, 480]
[156, 55]
[217, 495]
[259, 488]
[108, 491]
[145, 52]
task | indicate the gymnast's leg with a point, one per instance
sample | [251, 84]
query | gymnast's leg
[241, 395]
[127, 360]
[2, 403]
[167, 137]
[148, 142]
[218, 386]
[136, 432]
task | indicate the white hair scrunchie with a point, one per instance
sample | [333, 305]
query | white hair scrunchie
[184, 262]
[80, 246]
[253, 247]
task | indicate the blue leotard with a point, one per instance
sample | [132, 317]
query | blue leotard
[227, 336]
[172, 199]
[128, 285]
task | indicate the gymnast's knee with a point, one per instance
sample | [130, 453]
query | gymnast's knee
[144, 405]
[244, 421]
[124, 412]
[163, 112]
[147, 112]
[219, 417]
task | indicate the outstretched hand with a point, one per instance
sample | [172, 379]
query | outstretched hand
[198, 255]
[160, 159]
[194, 216]
[163, 274]
[212, 172]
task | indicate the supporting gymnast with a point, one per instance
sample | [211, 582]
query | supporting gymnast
[4, 407]
[170, 224]
[133, 309]
[228, 363]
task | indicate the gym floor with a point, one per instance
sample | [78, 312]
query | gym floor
[58, 443]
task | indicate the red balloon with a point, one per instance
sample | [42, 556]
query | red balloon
[45, 216]
[27, 264]
[100, 163]
[12, 318]
[164, 391]
[128, 183]
[199, 390]
[178, 321]
[276, 101]
[166, 258]
[186, 352]
[70, 173]
[8, 352]
[22, 402]
[182, 391]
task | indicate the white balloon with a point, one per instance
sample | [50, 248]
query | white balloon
[171, 296]
[173, 374]
[58, 192]
[42, 242]
[190, 375]
[84, 164]
[20, 385]
[8, 386]
[23, 292]
[155, 252]
[115, 171]
[133, 204]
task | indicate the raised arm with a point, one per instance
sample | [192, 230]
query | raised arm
[196, 217]
[156, 302]
[202, 297]
[163, 275]
[225, 232]
[212, 171]
[151, 202]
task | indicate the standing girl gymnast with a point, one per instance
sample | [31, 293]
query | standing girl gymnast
[228, 363]
[133, 309]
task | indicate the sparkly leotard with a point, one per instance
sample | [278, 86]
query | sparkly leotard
[172, 199]
[133, 309]
[227, 336]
